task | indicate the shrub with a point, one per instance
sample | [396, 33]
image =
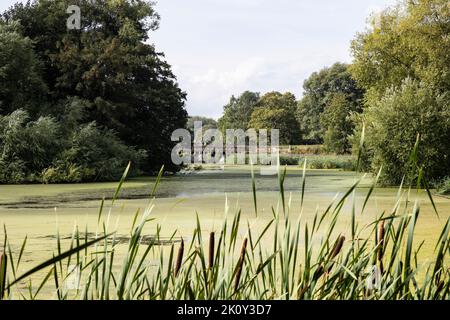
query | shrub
[288, 160]
[62, 173]
[307, 149]
[343, 162]
[37, 151]
[393, 124]
[27, 146]
[98, 154]
[12, 171]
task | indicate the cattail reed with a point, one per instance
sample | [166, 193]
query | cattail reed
[179, 258]
[240, 265]
[211, 249]
[381, 234]
[439, 288]
[3, 264]
[337, 247]
[318, 273]
[334, 252]
[301, 292]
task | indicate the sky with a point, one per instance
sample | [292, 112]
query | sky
[219, 48]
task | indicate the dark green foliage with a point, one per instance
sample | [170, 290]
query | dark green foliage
[396, 120]
[337, 122]
[99, 153]
[21, 85]
[318, 89]
[40, 151]
[26, 147]
[207, 123]
[237, 113]
[107, 72]
[403, 63]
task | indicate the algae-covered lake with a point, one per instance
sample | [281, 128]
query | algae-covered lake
[38, 211]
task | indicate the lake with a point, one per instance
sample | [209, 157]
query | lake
[37, 211]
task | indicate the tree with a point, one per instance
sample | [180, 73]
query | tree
[317, 89]
[237, 113]
[410, 40]
[393, 124]
[277, 100]
[337, 123]
[403, 63]
[109, 63]
[277, 111]
[21, 85]
[207, 123]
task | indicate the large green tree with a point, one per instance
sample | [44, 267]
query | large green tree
[109, 63]
[237, 113]
[396, 120]
[318, 89]
[277, 111]
[403, 63]
[410, 40]
[338, 124]
[21, 84]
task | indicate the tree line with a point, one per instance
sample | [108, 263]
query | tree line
[396, 88]
[330, 97]
[77, 105]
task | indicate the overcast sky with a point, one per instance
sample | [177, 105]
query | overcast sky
[222, 47]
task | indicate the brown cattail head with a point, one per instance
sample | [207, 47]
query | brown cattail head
[211, 249]
[240, 265]
[439, 288]
[318, 273]
[301, 292]
[337, 247]
[381, 231]
[179, 258]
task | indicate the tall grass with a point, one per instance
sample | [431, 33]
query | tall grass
[305, 259]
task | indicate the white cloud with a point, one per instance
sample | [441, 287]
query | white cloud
[209, 90]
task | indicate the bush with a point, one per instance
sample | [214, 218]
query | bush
[98, 155]
[12, 171]
[343, 162]
[26, 146]
[307, 149]
[288, 160]
[66, 174]
[393, 124]
[38, 151]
